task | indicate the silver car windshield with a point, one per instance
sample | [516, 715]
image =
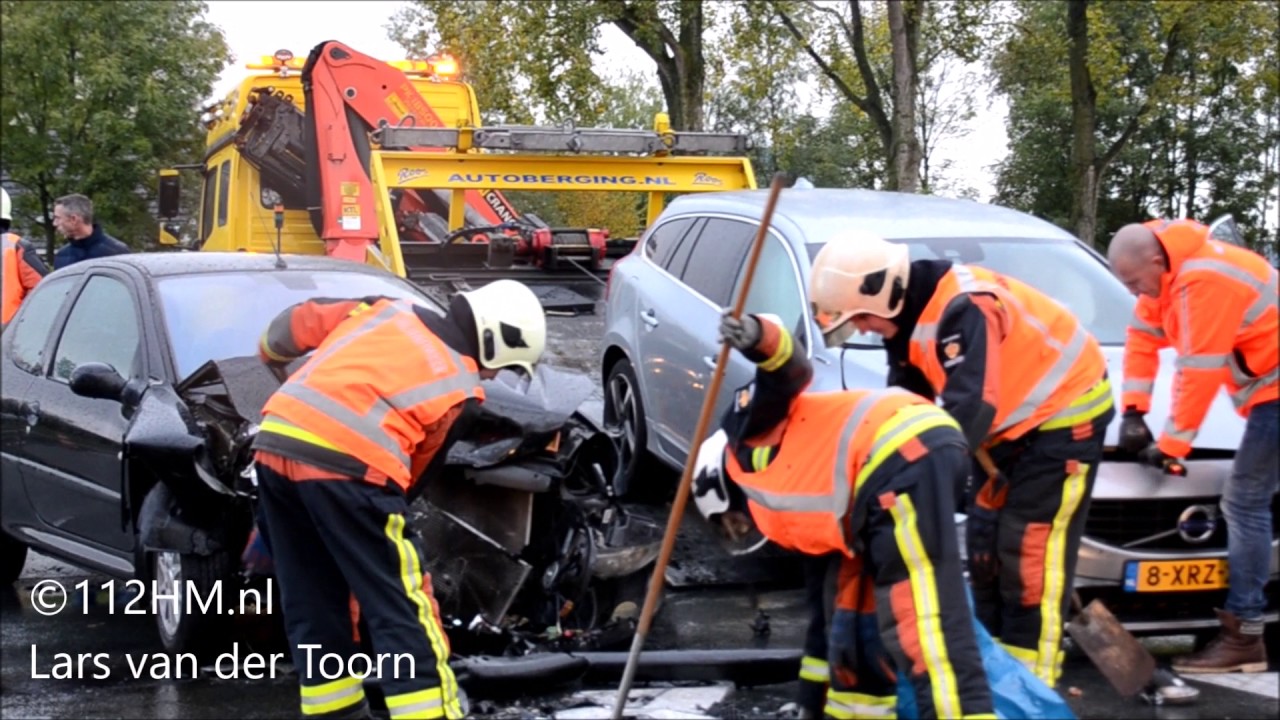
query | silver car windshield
[213, 316]
[1061, 269]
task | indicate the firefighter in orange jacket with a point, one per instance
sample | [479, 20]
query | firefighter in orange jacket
[1026, 382]
[1216, 305]
[19, 262]
[341, 444]
[870, 475]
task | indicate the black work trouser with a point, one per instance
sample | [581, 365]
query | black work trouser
[333, 538]
[899, 605]
[1049, 476]
[814, 669]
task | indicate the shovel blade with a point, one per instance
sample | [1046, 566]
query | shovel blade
[1118, 655]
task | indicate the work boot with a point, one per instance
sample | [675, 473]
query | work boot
[1233, 650]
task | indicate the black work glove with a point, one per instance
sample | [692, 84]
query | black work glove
[1152, 455]
[742, 333]
[1134, 433]
[980, 543]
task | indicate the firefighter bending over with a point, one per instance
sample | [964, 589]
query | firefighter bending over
[342, 443]
[870, 475]
[1028, 385]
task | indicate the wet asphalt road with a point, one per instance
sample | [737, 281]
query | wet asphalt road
[704, 618]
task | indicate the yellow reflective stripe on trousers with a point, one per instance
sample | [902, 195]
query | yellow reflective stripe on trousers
[280, 427]
[814, 669]
[331, 696]
[781, 355]
[850, 705]
[906, 423]
[1094, 402]
[411, 578]
[1047, 666]
[924, 594]
[419, 705]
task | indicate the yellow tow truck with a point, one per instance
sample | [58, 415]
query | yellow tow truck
[388, 163]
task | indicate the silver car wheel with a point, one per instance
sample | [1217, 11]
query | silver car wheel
[168, 578]
[622, 401]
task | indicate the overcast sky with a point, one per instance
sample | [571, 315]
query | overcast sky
[260, 28]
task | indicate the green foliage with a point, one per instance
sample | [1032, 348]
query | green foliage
[96, 97]
[531, 62]
[1203, 135]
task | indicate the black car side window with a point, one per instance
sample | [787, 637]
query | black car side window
[32, 331]
[102, 327]
[715, 258]
[663, 240]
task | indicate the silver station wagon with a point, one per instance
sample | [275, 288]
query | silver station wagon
[1155, 546]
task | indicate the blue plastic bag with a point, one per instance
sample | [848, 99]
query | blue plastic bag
[1015, 690]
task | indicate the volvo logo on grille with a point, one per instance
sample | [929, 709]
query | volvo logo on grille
[1197, 523]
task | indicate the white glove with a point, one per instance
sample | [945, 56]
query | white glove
[710, 493]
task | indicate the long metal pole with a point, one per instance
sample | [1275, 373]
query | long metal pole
[686, 480]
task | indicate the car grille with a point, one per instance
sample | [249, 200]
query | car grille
[1121, 522]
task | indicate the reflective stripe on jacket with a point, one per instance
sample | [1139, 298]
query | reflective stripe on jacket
[1048, 359]
[1218, 309]
[371, 398]
[833, 442]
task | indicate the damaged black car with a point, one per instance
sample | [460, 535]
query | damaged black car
[131, 394]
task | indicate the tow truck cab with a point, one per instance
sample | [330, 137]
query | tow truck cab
[237, 208]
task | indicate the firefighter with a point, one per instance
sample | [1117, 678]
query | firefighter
[1028, 385]
[20, 263]
[869, 475]
[1216, 305]
[341, 445]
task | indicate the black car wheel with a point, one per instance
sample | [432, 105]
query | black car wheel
[13, 556]
[184, 626]
[624, 415]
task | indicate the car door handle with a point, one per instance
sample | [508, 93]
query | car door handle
[31, 411]
[648, 317]
[709, 361]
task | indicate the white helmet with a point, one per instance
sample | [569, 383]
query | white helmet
[857, 273]
[511, 327]
[6, 210]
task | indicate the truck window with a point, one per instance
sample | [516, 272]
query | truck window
[224, 191]
[206, 205]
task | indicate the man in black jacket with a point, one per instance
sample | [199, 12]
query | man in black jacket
[73, 219]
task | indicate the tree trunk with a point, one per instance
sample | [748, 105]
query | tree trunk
[904, 31]
[681, 66]
[693, 71]
[1084, 161]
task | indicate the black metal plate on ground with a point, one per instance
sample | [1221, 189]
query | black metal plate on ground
[556, 298]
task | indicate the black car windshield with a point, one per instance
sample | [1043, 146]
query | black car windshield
[1061, 269]
[213, 316]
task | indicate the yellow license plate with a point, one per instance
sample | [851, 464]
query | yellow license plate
[1175, 575]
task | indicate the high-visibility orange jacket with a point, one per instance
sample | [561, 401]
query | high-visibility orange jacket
[1217, 307]
[22, 270]
[833, 442]
[375, 401]
[1042, 368]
